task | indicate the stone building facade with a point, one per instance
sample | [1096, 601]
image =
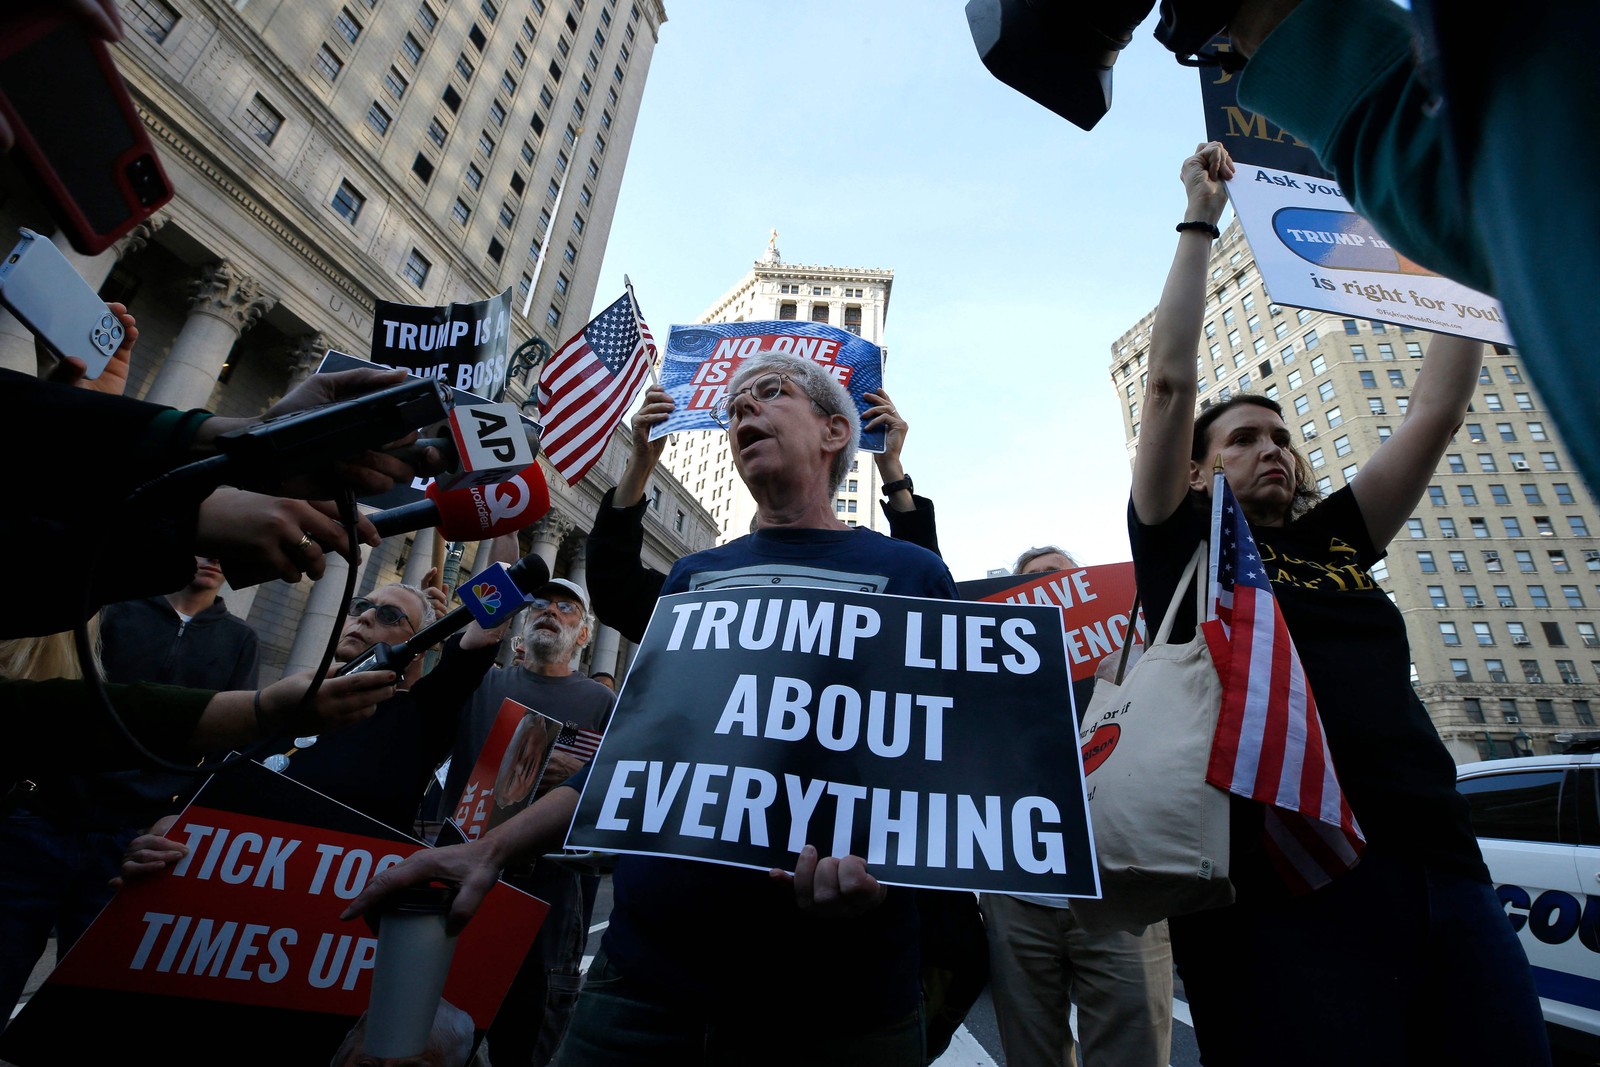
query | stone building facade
[330, 153]
[1498, 571]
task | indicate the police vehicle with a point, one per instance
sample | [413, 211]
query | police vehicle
[1538, 823]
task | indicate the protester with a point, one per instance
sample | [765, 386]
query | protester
[703, 963]
[1042, 962]
[77, 827]
[605, 678]
[555, 627]
[625, 590]
[1429, 124]
[380, 767]
[1384, 963]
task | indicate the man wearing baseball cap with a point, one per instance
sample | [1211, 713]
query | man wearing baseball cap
[554, 627]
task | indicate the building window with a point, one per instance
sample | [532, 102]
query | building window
[569, 253]
[1580, 708]
[1508, 709]
[422, 167]
[485, 144]
[378, 119]
[347, 25]
[1474, 709]
[347, 203]
[508, 214]
[1447, 631]
[1426, 563]
[1496, 669]
[1531, 672]
[1518, 632]
[496, 250]
[473, 177]
[1461, 670]
[328, 64]
[1483, 634]
[460, 212]
[426, 16]
[464, 67]
[552, 317]
[155, 17]
[497, 113]
[262, 119]
[416, 268]
[411, 48]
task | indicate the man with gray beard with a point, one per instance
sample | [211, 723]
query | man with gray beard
[556, 625]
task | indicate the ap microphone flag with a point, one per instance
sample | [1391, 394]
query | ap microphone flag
[492, 596]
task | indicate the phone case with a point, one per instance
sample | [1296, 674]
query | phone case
[79, 138]
[42, 289]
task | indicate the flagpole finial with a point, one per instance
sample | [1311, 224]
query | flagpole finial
[1216, 464]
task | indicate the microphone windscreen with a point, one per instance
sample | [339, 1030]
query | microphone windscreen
[478, 513]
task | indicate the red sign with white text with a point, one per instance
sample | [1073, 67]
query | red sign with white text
[1094, 603]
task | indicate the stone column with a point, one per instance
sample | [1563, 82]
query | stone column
[421, 558]
[323, 609]
[305, 356]
[607, 644]
[225, 303]
[547, 535]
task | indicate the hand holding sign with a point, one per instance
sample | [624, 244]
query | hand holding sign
[837, 886]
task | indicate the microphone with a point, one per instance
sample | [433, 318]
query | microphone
[528, 573]
[491, 443]
[473, 513]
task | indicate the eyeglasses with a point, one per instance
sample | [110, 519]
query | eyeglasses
[565, 607]
[388, 614]
[764, 389]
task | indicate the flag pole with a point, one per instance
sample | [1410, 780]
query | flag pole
[1212, 590]
[544, 245]
[638, 324]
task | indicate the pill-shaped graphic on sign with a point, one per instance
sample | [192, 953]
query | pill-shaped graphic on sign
[1338, 240]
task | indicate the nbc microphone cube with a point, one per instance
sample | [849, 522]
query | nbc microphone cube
[492, 442]
[492, 596]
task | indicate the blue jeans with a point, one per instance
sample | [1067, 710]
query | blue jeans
[621, 1024]
[1392, 964]
[56, 878]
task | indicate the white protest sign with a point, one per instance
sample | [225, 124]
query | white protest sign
[1315, 252]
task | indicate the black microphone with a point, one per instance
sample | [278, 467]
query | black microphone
[529, 573]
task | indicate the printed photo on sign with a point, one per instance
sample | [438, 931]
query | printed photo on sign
[701, 360]
[461, 345]
[237, 952]
[1094, 603]
[1315, 252]
[509, 771]
[934, 738]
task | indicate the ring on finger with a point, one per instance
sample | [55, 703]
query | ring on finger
[305, 542]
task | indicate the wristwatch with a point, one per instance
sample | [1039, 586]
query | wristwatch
[891, 488]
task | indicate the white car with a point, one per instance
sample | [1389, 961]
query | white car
[1538, 823]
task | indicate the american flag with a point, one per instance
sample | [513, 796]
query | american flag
[587, 385]
[577, 741]
[1269, 744]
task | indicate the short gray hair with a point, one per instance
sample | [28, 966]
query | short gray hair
[1043, 550]
[830, 397]
[429, 616]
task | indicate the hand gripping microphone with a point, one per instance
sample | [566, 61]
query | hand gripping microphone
[474, 513]
[528, 573]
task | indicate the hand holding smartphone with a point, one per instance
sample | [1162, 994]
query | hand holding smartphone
[41, 288]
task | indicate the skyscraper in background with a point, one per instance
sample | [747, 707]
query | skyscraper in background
[1497, 572]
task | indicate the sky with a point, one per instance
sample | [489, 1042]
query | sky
[870, 135]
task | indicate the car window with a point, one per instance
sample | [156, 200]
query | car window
[1521, 805]
[1586, 802]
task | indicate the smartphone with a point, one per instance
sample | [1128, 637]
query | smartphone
[41, 288]
[79, 138]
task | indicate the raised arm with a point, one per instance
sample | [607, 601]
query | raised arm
[1161, 469]
[1389, 486]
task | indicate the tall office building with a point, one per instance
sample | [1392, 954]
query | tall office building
[1497, 573]
[329, 153]
[851, 298]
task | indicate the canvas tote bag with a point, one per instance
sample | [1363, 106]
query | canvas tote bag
[1160, 831]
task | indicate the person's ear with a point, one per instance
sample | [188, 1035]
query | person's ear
[1197, 477]
[836, 433]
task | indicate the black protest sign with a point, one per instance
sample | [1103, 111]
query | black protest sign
[933, 738]
[462, 345]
